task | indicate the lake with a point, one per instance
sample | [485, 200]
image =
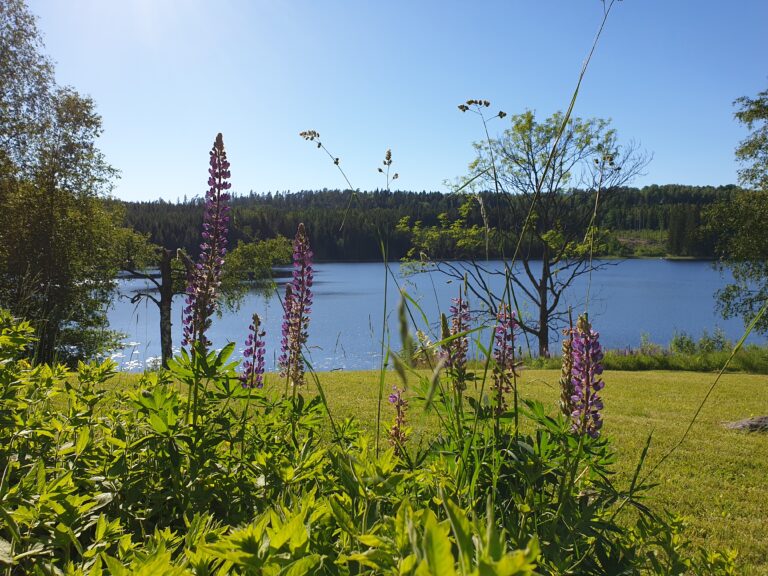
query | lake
[626, 300]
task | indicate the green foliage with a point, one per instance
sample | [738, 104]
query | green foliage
[753, 150]
[249, 266]
[738, 225]
[552, 228]
[742, 246]
[638, 217]
[218, 479]
[707, 354]
[57, 261]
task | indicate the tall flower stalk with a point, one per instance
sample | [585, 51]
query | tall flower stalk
[587, 368]
[454, 351]
[297, 306]
[204, 278]
[253, 366]
[505, 365]
[398, 433]
[566, 373]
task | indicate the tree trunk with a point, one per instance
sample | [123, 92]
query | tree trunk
[166, 299]
[544, 307]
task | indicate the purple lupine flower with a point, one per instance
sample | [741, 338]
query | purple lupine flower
[454, 352]
[504, 366]
[204, 278]
[253, 366]
[297, 307]
[587, 368]
[398, 433]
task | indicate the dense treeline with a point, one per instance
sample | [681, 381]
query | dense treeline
[351, 226]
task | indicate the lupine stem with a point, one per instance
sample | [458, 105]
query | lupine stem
[504, 368]
[204, 278]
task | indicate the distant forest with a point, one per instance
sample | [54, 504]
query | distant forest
[651, 221]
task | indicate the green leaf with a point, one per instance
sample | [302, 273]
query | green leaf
[301, 566]
[371, 540]
[11, 523]
[157, 423]
[82, 440]
[461, 532]
[6, 551]
[437, 547]
[279, 538]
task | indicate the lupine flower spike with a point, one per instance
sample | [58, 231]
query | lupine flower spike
[454, 352]
[587, 368]
[253, 367]
[398, 434]
[566, 373]
[204, 278]
[297, 305]
[504, 367]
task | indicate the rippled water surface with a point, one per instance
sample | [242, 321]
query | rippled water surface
[626, 299]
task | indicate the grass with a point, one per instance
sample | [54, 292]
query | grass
[716, 479]
[752, 359]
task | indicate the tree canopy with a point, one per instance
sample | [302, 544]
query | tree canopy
[57, 264]
[740, 224]
[549, 176]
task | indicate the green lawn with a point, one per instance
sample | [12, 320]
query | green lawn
[717, 479]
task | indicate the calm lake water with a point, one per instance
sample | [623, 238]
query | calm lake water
[626, 299]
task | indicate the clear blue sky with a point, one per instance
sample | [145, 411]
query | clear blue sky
[167, 75]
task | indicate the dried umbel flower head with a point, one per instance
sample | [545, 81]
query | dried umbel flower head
[297, 306]
[387, 162]
[253, 367]
[587, 368]
[310, 135]
[478, 105]
[204, 278]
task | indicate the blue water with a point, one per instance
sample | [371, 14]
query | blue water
[626, 299]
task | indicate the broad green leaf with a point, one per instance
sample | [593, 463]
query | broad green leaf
[82, 440]
[437, 547]
[279, 538]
